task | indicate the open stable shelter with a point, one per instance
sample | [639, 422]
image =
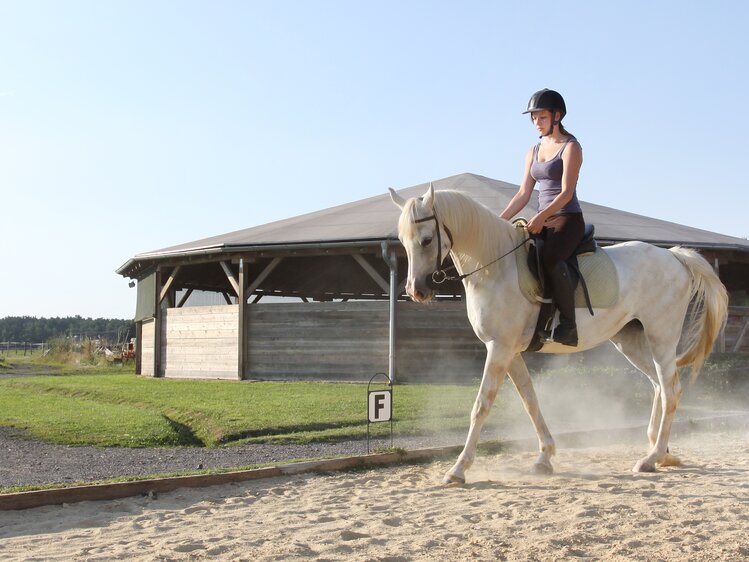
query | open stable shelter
[321, 295]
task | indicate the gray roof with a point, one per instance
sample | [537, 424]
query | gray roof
[375, 219]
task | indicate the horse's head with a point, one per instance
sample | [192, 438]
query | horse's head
[426, 240]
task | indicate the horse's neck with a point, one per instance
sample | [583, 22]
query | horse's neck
[479, 235]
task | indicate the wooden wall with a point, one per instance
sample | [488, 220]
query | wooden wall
[436, 343]
[200, 342]
[335, 341]
[146, 348]
[349, 341]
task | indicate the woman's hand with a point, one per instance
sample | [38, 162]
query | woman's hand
[536, 225]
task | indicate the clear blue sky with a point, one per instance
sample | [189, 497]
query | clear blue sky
[128, 126]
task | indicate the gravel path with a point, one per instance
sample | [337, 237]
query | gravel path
[25, 462]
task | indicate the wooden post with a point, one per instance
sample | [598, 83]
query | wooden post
[242, 343]
[157, 327]
[721, 343]
[138, 347]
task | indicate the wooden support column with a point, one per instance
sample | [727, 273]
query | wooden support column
[138, 347]
[721, 343]
[241, 333]
[157, 319]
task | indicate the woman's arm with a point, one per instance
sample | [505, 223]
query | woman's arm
[523, 195]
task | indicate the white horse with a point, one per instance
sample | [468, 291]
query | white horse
[656, 288]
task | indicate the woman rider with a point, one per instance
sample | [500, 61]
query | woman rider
[555, 164]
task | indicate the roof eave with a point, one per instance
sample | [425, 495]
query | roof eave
[126, 269]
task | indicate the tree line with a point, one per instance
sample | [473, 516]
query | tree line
[38, 330]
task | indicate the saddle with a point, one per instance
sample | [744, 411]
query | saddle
[594, 276]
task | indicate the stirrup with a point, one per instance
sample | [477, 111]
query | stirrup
[570, 338]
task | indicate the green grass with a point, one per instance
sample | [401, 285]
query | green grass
[110, 406]
[126, 410]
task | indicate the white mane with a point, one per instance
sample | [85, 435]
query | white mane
[479, 234]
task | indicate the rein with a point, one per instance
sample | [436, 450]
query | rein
[439, 275]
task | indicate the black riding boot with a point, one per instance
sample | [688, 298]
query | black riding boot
[564, 297]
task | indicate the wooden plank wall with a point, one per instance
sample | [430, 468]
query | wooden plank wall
[329, 341]
[146, 349]
[349, 341]
[200, 342]
[335, 341]
[437, 344]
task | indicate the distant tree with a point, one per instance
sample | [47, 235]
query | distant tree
[37, 330]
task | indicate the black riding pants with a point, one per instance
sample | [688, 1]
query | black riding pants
[561, 234]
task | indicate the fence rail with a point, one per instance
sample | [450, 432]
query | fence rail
[24, 347]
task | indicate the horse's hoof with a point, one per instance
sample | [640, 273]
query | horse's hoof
[542, 469]
[453, 479]
[644, 466]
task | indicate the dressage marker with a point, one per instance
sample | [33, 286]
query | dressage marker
[379, 406]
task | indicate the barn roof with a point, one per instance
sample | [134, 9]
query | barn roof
[374, 219]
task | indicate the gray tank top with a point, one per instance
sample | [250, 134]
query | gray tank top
[549, 177]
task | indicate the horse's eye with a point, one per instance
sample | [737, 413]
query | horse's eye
[426, 241]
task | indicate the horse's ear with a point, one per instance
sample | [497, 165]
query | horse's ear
[429, 196]
[397, 199]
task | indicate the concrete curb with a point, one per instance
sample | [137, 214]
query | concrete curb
[96, 492]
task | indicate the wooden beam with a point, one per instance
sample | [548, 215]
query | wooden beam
[241, 334]
[138, 347]
[157, 327]
[184, 298]
[366, 266]
[263, 275]
[257, 298]
[230, 276]
[168, 284]
[227, 298]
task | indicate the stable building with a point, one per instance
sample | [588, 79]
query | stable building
[321, 296]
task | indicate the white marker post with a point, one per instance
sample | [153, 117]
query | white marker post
[379, 406]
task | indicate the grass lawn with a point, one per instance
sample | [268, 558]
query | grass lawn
[126, 410]
[110, 406]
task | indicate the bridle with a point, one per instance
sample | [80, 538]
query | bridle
[439, 275]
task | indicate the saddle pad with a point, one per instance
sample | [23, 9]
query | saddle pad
[597, 269]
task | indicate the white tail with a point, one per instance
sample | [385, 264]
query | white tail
[709, 310]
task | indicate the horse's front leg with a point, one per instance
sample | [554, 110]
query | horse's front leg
[494, 374]
[522, 381]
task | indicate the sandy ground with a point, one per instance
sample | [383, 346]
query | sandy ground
[593, 507]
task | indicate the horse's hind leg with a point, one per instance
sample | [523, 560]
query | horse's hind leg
[632, 343]
[521, 379]
[494, 374]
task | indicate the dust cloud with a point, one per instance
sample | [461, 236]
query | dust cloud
[592, 390]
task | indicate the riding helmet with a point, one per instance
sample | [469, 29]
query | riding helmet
[547, 99]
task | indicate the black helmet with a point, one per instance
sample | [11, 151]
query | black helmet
[547, 99]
